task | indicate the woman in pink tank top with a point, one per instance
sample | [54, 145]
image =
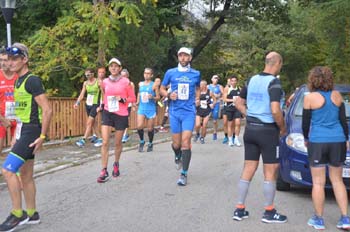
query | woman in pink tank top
[117, 94]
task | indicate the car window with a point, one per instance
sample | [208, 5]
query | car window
[299, 105]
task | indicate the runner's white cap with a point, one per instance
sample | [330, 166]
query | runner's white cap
[115, 60]
[185, 50]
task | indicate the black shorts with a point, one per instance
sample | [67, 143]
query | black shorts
[261, 139]
[114, 120]
[203, 112]
[224, 110]
[320, 154]
[29, 133]
[233, 113]
[91, 110]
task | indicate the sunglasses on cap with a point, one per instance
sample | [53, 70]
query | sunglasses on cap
[13, 51]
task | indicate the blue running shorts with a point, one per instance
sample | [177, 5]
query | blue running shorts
[215, 111]
[182, 121]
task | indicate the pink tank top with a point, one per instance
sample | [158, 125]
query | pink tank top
[115, 89]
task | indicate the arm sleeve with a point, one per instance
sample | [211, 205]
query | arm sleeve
[306, 122]
[342, 118]
[275, 90]
[34, 86]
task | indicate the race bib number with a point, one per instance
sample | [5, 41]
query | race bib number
[144, 97]
[90, 100]
[18, 129]
[113, 104]
[10, 110]
[183, 91]
[234, 98]
[204, 104]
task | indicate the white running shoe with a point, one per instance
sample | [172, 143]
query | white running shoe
[237, 142]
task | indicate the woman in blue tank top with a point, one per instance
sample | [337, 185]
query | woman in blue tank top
[326, 132]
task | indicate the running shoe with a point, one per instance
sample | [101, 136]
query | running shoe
[163, 129]
[182, 181]
[93, 139]
[344, 223]
[240, 214]
[34, 219]
[104, 176]
[195, 138]
[316, 222]
[215, 136]
[80, 143]
[225, 140]
[202, 140]
[11, 222]
[178, 162]
[271, 216]
[141, 145]
[230, 142]
[150, 147]
[98, 143]
[115, 172]
[125, 138]
[237, 142]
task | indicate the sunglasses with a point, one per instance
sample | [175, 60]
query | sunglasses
[89, 74]
[13, 51]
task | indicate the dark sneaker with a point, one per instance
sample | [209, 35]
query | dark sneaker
[202, 140]
[271, 216]
[225, 140]
[104, 176]
[240, 214]
[34, 219]
[182, 181]
[12, 222]
[141, 145]
[125, 138]
[195, 138]
[316, 222]
[344, 223]
[115, 172]
[93, 139]
[150, 147]
[215, 136]
[98, 143]
[178, 162]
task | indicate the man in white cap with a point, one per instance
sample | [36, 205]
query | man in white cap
[184, 82]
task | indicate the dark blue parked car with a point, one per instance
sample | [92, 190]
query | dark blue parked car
[294, 165]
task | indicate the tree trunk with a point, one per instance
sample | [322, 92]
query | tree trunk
[101, 55]
[221, 20]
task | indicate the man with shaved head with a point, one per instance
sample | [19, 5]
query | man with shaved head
[259, 101]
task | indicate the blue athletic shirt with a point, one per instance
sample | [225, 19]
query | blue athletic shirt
[145, 103]
[325, 123]
[215, 89]
[184, 84]
[261, 90]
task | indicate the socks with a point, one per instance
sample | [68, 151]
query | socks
[243, 186]
[186, 158]
[30, 212]
[150, 136]
[226, 135]
[177, 151]
[269, 193]
[140, 132]
[17, 212]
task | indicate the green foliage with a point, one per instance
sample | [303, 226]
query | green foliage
[72, 44]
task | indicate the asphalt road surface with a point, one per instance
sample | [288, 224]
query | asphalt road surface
[146, 198]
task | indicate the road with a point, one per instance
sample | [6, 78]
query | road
[146, 198]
